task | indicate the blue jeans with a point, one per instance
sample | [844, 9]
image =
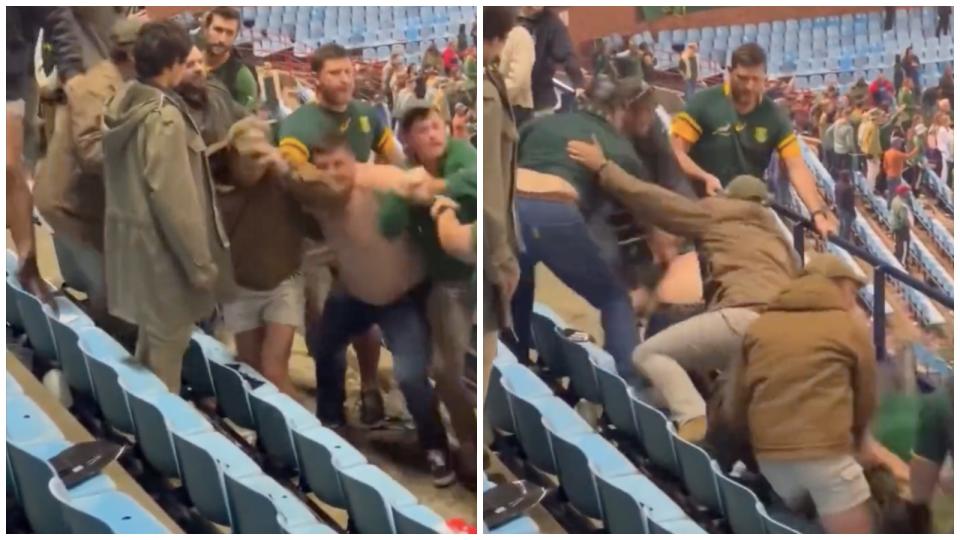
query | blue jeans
[555, 234]
[689, 89]
[407, 336]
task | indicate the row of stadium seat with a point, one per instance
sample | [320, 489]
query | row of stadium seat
[920, 306]
[95, 506]
[941, 191]
[222, 481]
[599, 481]
[593, 378]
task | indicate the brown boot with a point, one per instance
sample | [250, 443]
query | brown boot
[694, 430]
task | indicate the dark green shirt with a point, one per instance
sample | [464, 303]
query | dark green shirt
[458, 167]
[934, 439]
[243, 87]
[543, 148]
[309, 124]
[714, 128]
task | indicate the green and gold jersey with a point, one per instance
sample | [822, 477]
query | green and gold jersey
[714, 130]
[309, 124]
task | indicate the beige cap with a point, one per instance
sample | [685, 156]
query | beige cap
[747, 188]
[124, 31]
[831, 266]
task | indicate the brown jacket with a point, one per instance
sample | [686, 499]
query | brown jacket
[807, 388]
[499, 185]
[69, 192]
[749, 258]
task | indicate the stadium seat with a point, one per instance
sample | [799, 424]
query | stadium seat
[371, 497]
[615, 396]
[495, 405]
[655, 435]
[322, 454]
[525, 393]
[109, 362]
[107, 512]
[580, 458]
[33, 314]
[743, 510]
[583, 377]
[203, 458]
[276, 415]
[545, 327]
[772, 526]
[234, 383]
[156, 417]
[259, 504]
[696, 468]
[65, 336]
[417, 519]
[629, 499]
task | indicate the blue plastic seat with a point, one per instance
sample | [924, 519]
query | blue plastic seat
[417, 519]
[233, 384]
[34, 318]
[156, 417]
[655, 430]
[628, 499]
[615, 396]
[276, 415]
[583, 378]
[108, 363]
[580, 458]
[371, 497]
[696, 468]
[774, 526]
[203, 459]
[742, 507]
[323, 454]
[108, 512]
[530, 401]
[259, 504]
[65, 335]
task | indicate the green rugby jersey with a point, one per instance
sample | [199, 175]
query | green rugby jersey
[309, 124]
[710, 124]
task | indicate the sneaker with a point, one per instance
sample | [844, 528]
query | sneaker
[693, 430]
[371, 407]
[440, 468]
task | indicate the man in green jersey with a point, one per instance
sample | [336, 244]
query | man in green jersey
[335, 111]
[220, 28]
[733, 129]
[931, 447]
[452, 297]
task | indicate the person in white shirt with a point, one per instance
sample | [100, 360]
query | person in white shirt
[945, 147]
[516, 66]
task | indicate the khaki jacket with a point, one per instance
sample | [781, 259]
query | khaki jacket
[749, 258]
[166, 253]
[69, 192]
[807, 388]
[516, 66]
[499, 185]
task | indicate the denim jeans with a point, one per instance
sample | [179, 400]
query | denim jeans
[556, 234]
[407, 337]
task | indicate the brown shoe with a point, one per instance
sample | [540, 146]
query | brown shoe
[694, 430]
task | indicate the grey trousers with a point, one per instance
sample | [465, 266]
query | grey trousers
[704, 343]
[450, 307]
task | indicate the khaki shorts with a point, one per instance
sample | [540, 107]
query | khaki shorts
[249, 310]
[836, 484]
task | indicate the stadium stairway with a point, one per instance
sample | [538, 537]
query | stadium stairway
[633, 473]
[223, 480]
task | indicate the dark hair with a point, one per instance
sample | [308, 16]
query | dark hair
[119, 55]
[498, 21]
[329, 143]
[415, 115]
[330, 51]
[228, 13]
[748, 55]
[159, 46]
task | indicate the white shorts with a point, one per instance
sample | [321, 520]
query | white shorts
[249, 309]
[836, 484]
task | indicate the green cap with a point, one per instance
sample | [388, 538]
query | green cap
[831, 266]
[748, 188]
[124, 31]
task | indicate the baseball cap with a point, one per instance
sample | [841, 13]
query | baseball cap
[124, 31]
[831, 266]
[748, 188]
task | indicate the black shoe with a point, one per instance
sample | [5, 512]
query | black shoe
[333, 419]
[440, 468]
[371, 407]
